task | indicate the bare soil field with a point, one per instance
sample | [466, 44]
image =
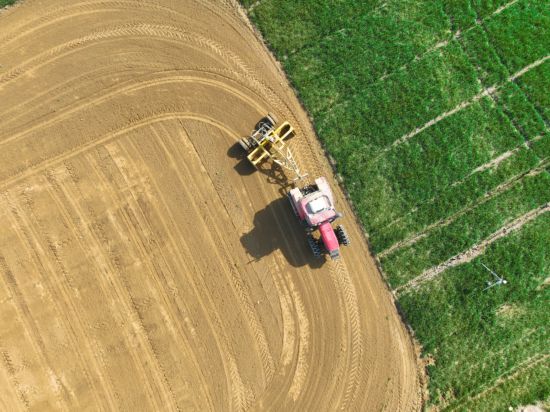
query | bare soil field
[143, 264]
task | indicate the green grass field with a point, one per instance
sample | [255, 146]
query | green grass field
[4, 3]
[437, 114]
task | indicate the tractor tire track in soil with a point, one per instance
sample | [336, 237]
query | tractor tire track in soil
[144, 264]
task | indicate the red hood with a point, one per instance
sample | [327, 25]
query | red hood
[329, 239]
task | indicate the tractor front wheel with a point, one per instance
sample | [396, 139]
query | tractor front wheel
[342, 236]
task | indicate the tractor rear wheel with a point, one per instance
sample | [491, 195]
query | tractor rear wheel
[314, 246]
[342, 235]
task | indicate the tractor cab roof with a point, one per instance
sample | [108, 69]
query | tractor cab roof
[318, 204]
[318, 208]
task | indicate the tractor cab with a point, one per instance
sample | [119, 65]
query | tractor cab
[317, 208]
[314, 207]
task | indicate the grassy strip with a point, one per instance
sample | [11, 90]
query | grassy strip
[519, 389]
[535, 85]
[307, 21]
[461, 14]
[490, 69]
[430, 86]
[442, 243]
[521, 111]
[477, 336]
[444, 154]
[521, 44]
[4, 3]
[456, 197]
[338, 59]
[390, 68]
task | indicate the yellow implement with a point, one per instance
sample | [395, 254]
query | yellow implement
[268, 142]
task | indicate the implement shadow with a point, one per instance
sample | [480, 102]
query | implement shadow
[275, 173]
[276, 227]
[243, 167]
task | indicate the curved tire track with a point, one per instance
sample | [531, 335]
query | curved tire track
[161, 203]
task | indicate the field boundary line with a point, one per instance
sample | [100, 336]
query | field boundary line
[509, 375]
[440, 44]
[502, 8]
[488, 165]
[254, 5]
[503, 187]
[475, 250]
[503, 156]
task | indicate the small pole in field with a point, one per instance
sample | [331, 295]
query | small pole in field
[497, 281]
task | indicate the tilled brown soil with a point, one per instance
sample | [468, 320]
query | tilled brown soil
[143, 264]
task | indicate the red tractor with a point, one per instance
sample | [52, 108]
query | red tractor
[314, 206]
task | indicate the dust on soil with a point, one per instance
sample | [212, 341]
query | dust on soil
[143, 264]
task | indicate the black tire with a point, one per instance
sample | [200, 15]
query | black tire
[314, 246]
[271, 118]
[244, 143]
[342, 236]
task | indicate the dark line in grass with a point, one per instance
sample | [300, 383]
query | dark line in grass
[501, 62]
[325, 36]
[474, 251]
[433, 48]
[514, 372]
[537, 108]
[446, 221]
[464, 180]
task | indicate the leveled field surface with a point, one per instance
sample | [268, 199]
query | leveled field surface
[143, 264]
[437, 116]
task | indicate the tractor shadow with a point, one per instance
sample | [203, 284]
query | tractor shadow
[276, 228]
[275, 174]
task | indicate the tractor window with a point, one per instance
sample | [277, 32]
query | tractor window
[318, 205]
